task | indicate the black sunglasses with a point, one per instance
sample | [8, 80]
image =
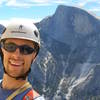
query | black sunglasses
[11, 47]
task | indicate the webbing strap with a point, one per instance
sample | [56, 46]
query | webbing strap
[18, 91]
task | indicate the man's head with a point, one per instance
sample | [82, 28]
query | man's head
[20, 44]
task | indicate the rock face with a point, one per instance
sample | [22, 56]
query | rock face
[67, 67]
[71, 58]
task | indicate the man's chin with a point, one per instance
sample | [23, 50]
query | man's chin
[14, 75]
[18, 76]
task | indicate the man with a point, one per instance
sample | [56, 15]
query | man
[20, 45]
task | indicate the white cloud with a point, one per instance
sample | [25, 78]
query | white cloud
[85, 4]
[16, 3]
[29, 3]
[81, 4]
[2, 1]
[4, 22]
[40, 1]
[60, 1]
[95, 9]
[26, 20]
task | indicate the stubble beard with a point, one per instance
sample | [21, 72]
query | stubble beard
[21, 76]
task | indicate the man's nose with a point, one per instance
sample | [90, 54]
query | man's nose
[17, 53]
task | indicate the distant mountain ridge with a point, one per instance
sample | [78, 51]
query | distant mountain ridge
[72, 36]
[67, 67]
[69, 24]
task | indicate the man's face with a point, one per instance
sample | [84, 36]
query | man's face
[15, 63]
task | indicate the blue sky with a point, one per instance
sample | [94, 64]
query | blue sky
[39, 9]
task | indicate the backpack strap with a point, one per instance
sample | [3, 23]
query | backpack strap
[32, 94]
[20, 90]
[29, 95]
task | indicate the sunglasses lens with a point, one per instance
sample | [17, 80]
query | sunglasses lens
[25, 49]
[10, 47]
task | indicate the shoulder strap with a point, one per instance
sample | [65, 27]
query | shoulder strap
[29, 95]
[32, 94]
[20, 90]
